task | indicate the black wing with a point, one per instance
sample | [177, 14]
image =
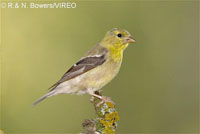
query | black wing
[84, 65]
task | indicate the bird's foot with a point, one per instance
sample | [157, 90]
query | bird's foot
[104, 99]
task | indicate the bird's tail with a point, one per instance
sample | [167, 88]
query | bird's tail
[43, 97]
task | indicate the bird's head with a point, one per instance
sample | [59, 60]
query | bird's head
[118, 39]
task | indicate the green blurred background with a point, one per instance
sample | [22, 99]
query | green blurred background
[156, 91]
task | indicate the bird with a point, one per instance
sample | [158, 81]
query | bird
[94, 70]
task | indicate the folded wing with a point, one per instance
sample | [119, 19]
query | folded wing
[82, 66]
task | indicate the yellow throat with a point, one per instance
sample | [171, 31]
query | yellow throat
[116, 51]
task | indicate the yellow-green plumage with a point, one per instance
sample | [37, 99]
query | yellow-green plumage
[96, 69]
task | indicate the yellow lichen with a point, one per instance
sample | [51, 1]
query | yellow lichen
[109, 118]
[108, 131]
[110, 105]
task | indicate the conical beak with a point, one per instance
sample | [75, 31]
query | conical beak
[130, 39]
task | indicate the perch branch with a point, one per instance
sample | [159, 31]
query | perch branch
[106, 121]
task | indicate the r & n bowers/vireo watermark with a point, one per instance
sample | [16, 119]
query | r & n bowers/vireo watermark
[38, 5]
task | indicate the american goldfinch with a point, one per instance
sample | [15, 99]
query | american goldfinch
[96, 69]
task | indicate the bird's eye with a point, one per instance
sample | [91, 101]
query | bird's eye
[119, 35]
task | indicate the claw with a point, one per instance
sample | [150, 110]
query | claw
[98, 104]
